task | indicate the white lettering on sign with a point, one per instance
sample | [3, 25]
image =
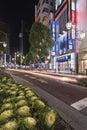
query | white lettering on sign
[58, 3]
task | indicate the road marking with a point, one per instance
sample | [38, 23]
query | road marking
[42, 81]
[81, 104]
[31, 77]
[26, 75]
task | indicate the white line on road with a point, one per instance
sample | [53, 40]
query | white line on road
[26, 75]
[42, 81]
[81, 104]
[31, 77]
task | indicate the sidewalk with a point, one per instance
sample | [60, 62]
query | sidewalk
[69, 78]
[63, 74]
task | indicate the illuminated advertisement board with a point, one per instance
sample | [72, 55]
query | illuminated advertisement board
[53, 25]
[63, 58]
[70, 42]
[59, 45]
[62, 44]
[73, 18]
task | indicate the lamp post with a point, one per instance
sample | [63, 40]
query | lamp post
[4, 45]
[79, 35]
[3, 58]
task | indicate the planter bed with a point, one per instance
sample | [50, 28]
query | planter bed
[22, 109]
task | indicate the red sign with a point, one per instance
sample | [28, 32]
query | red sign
[73, 16]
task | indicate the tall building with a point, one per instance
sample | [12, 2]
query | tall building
[44, 13]
[71, 50]
[64, 52]
[43, 10]
[81, 9]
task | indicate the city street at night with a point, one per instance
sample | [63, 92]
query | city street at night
[63, 94]
[43, 65]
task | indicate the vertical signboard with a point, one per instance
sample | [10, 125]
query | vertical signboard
[57, 35]
[62, 44]
[71, 13]
[53, 25]
[69, 20]
[73, 18]
[69, 10]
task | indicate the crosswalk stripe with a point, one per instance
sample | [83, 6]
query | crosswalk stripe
[42, 81]
[81, 104]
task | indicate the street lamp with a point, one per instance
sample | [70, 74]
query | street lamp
[68, 25]
[79, 35]
[4, 45]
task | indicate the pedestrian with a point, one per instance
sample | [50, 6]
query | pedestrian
[71, 70]
[58, 69]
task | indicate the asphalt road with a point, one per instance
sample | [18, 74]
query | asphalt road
[68, 99]
[68, 93]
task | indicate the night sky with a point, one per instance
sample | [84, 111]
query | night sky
[12, 12]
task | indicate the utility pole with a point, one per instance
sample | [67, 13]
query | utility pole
[21, 45]
[22, 37]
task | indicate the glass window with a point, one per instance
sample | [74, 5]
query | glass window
[51, 3]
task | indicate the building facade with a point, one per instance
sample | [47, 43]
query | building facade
[81, 8]
[71, 50]
[65, 55]
[43, 10]
[44, 13]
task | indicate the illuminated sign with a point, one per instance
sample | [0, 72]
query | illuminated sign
[62, 44]
[73, 16]
[70, 41]
[58, 3]
[53, 24]
[64, 58]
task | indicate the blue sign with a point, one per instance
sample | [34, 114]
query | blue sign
[59, 45]
[53, 24]
[70, 42]
[64, 58]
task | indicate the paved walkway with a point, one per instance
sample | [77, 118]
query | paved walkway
[63, 74]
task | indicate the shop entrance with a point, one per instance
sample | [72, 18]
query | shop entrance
[83, 64]
[64, 66]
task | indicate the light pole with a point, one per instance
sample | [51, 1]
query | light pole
[79, 35]
[3, 58]
[4, 45]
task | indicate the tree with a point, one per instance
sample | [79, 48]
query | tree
[3, 38]
[29, 57]
[40, 38]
